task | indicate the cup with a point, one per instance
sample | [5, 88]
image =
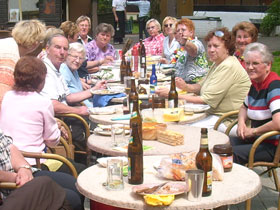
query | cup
[118, 135]
[114, 174]
[194, 181]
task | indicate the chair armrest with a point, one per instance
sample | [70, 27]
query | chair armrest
[224, 117]
[8, 185]
[257, 143]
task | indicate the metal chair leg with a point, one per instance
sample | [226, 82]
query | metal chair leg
[276, 180]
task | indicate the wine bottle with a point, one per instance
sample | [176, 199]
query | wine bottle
[128, 69]
[172, 95]
[135, 157]
[136, 117]
[204, 162]
[142, 60]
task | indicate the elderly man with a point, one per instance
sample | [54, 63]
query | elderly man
[56, 88]
[27, 39]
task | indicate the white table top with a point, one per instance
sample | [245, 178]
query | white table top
[103, 144]
[238, 185]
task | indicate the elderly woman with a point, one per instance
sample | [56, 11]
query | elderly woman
[75, 58]
[169, 43]
[226, 84]
[190, 59]
[243, 33]
[34, 119]
[154, 43]
[71, 31]
[84, 24]
[260, 106]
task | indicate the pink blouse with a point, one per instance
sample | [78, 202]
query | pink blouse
[153, 45]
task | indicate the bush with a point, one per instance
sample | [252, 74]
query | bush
[272, 18]
[104, 6]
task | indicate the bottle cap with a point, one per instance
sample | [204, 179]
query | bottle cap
[222, 148]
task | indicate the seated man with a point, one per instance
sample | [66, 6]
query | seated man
[56, 88]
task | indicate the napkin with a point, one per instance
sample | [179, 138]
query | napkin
[122, 117]
[103, 100]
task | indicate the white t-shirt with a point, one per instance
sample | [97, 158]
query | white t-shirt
[55, 86]
[119, 5]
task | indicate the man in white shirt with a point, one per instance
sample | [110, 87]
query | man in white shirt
[118, 8]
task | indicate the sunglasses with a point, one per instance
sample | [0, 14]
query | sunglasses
[219, 34]
[170, 25]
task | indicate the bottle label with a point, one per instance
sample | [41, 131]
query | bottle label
[152, 89]
[130, 107]
[204, 141]
[133, 115]
[143, 59]
[171, 104]
[128, 168]
[209, 181]
[130, 141]
[227, 161]
[142, 72]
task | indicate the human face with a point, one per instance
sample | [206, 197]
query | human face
[242, 40]
[102, 39]
[74, 60]
[255, 67]
[169, 26]
[152, 29]
[217, 52]
[57, 50]
[183, 33]
[84, 28]
[74, 39]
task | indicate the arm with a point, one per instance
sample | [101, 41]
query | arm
[115, 14]
[191, 88]
[192, 99]
[60, 108]
[242, 117]
[191, 48]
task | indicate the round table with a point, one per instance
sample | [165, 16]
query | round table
[103, 144]
[237, 186]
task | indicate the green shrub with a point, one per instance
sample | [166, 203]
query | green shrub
[272, 18]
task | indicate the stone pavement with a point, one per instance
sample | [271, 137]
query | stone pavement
[273, 43]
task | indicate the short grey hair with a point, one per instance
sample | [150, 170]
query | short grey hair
[106, 28]
[267, 57]
[49, 41]
[77, 47]
[156, 23]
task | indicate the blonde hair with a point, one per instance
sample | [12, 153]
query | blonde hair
[29, 32]
[69, 28]
[173, 19]
[83, 18]
[156, 23]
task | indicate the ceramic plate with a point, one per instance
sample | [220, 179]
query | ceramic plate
[107, 131]
[102, 111]
[105, 92]
[196, 108]
[103, 161]
[170, 188]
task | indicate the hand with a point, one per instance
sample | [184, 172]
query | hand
[63, 130]
[163, 60]
[163, 92]
[82, 110]
[85, 85]
[24, 175]
[107, 60]
[116, 19]
[180, 83]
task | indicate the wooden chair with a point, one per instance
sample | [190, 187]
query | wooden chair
[224, 117]
[87, 153]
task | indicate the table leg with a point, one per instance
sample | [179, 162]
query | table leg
[100, 206]
[248, 204]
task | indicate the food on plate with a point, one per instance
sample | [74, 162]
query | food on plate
[159, 200]
[173, 114]
[170, 137]
[149, 130]
[166, 188]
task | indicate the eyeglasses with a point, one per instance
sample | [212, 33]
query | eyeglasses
[219, 34]
[77, 57]
[170, 25]
[151, 28]
[83, 25]
[254, 64]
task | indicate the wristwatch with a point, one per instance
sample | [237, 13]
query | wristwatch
[29, 167]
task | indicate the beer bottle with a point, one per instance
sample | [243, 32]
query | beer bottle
[136, 117]
[153, 80]
[204, 162]
[172, 95]
[135, 157]
[123, 69]
[128, 69]
[133, 95]
[142, 60]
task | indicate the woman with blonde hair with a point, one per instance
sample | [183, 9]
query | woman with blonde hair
[169, 43]
[71, 31]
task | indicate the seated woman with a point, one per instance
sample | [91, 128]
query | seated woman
[154, 43]
[189, 59]
[169, 43]
[14, 168]
[84, 24]
[243, 34]
[261, 106]
[27, 116]
[70, 30]
[226, 84]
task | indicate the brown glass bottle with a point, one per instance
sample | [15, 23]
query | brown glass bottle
[133, 95]
[128, 69]
[135, 157]
[123, 69]
[142, 54]
[136, 117]
[172, 95]
[204, 162]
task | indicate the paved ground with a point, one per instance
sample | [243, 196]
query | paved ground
[273, 43]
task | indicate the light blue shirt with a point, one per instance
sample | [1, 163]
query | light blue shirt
[73, 82]
[144, 7]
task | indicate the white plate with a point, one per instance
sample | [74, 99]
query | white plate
[107, 67]
[107, 132]
[103, 161]
[170, 188]
[190, 107]
[102, 110]
[105, 92]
